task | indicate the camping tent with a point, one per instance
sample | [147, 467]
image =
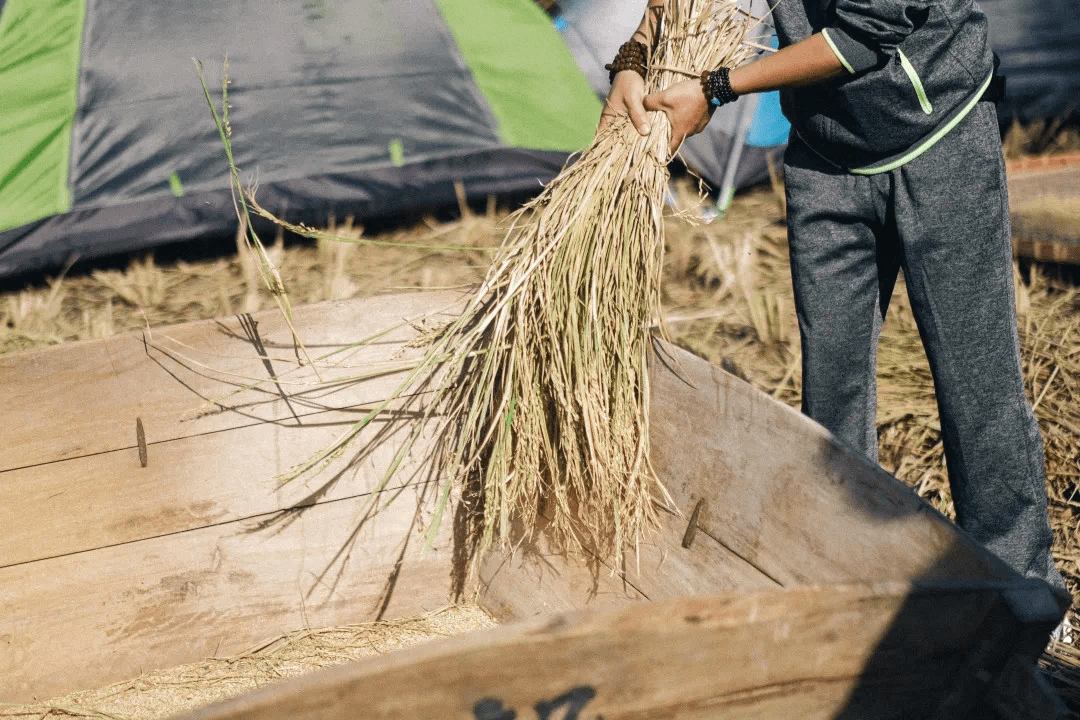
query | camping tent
[366, 107]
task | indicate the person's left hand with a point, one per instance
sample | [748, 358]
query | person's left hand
[684, 104]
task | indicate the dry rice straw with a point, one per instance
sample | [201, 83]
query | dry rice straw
[540, 387]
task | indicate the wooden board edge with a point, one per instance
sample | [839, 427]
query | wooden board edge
[667, 652]
[446, 299]
[1043, 162]
[964, 553]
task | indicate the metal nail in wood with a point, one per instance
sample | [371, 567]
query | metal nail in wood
[140, 436]
[691, 529]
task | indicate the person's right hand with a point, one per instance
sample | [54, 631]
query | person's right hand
[625, 98]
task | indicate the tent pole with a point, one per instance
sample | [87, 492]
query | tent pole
[746, 106]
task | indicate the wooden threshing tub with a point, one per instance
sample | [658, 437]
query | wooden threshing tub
[812, 584]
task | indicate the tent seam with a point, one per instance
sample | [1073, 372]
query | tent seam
[76, 115]
[166, 193]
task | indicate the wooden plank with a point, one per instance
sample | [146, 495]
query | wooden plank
[107, 498]
[534, 581]
[1021, 166]
[1036, 187]
[774, 481]
[1046, 238]
[537, 581]
[1054, 180]
[90, 619]
[89, 394]
[785, 504]
[665, 569]
[882, 651]
[784, 495]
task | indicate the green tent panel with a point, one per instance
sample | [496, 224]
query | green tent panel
[40, 43]
[494, 43]
[363, 107]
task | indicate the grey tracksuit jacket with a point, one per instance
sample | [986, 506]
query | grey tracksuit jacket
[915, 68]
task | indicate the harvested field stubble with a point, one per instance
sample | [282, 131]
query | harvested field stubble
[727, 297]
[1041, 137]
[101, 303]
[726, 294]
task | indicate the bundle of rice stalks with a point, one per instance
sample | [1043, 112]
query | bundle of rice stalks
[540, 386]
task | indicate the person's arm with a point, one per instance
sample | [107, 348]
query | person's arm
[628, 88]
[858, 41]
[806, 62]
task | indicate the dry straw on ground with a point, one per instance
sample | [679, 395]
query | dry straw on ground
[722, 283]
[726, 296]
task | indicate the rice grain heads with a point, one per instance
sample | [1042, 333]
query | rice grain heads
[540, 387]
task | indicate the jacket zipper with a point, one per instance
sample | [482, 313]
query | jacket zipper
[924, 102]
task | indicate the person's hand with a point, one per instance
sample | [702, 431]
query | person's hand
[627, 92]
[685, 106]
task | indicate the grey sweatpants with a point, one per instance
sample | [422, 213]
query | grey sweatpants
[943, 218]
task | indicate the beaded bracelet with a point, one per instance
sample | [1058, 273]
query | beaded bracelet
[631, 56]
[717, 86]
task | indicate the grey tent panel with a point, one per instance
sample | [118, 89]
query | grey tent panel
[318, 88]
[338, 107]
[93, 232]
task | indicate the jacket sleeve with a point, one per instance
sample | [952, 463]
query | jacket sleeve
[864, 27]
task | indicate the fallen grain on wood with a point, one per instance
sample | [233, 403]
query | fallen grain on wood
[164, 693]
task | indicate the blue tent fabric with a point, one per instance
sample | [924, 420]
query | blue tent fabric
[769, 128]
